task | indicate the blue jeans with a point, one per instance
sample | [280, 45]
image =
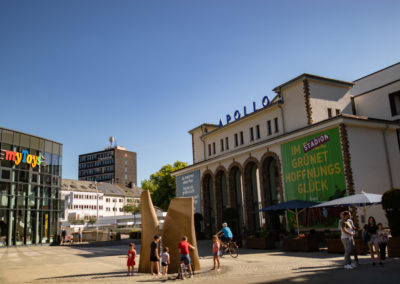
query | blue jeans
[348, 249]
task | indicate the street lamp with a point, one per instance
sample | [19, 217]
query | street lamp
[97, 214]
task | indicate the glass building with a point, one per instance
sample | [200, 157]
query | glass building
[30, 189]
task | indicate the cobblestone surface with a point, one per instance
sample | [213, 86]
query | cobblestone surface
[106, 264]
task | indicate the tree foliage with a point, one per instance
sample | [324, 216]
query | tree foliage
[161, 184]
[132, 208]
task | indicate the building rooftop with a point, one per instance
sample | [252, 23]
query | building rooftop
[106, 188]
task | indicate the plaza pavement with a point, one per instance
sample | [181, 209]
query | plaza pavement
[106, 263]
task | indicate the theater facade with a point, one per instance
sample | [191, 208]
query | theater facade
[30, 188]
[317, 139]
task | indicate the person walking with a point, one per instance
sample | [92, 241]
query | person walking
[371, 230]
[80, 235]
[353, 243]
[63, 235]
[131, 259]
[215, 251]
[347, 239]
[383, 238]
[154, 256]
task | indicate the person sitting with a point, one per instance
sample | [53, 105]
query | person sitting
[226, 233]
[184, 253]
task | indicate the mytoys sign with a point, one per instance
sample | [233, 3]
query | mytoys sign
[21, 157]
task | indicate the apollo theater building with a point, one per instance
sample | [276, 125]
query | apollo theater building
[317, 139]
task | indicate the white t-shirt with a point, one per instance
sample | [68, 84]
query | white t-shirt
[346, 224]
[165, 257]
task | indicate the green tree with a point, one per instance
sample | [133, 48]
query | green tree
[161, 184]
[132, 208]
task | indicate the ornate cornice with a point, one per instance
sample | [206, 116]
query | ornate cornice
[306, 90]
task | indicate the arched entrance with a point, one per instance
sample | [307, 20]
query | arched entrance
[235, 195]
[271, 193]
[220, 195]
[208, 205]
[251, 199]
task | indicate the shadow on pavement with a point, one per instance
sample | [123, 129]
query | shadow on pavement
[365, 273]
[109, 248]
[92, 275]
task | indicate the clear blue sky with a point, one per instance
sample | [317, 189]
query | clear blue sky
[148, 71]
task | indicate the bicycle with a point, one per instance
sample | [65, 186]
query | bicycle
[183, 270]
[230, 247]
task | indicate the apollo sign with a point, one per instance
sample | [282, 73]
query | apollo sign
[237, 114]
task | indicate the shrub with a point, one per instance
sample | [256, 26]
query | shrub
[334, 235]
[391, 204]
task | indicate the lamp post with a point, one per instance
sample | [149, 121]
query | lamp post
[97, 214]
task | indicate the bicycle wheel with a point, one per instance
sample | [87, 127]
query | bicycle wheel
[186, 271]
[192, 265]
[221, 251]
[233, 250]
[181, 271]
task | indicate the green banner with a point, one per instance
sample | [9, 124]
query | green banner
[313, 167]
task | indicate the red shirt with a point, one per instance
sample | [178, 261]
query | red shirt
[184, 247]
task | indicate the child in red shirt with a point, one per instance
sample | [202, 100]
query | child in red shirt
[184, 252]
[131, 258]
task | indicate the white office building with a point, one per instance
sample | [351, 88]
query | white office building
[86, 200]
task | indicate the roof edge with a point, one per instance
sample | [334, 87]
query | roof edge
[315, 77]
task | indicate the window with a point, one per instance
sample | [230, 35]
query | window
[394, 100]
[269, 127]
[258, 131]
[222, 144]
[337, 111]
[209, 149]
[398, 137]
[214, 148]
[227, 143]
[236, 140]
[107, 199]
[241, 138]
[7, 174]
[276, 124]
[329, 112]
[121, 200]
[251, 134]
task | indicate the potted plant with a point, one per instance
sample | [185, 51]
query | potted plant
[302, 242]
[262, 240]
[391, 204]
[334, 243]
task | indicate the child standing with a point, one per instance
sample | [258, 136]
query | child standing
[131, 258]
[383, 238]
[165, 261]
[215, 250]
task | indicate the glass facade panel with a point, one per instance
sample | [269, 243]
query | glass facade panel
[29, 190]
